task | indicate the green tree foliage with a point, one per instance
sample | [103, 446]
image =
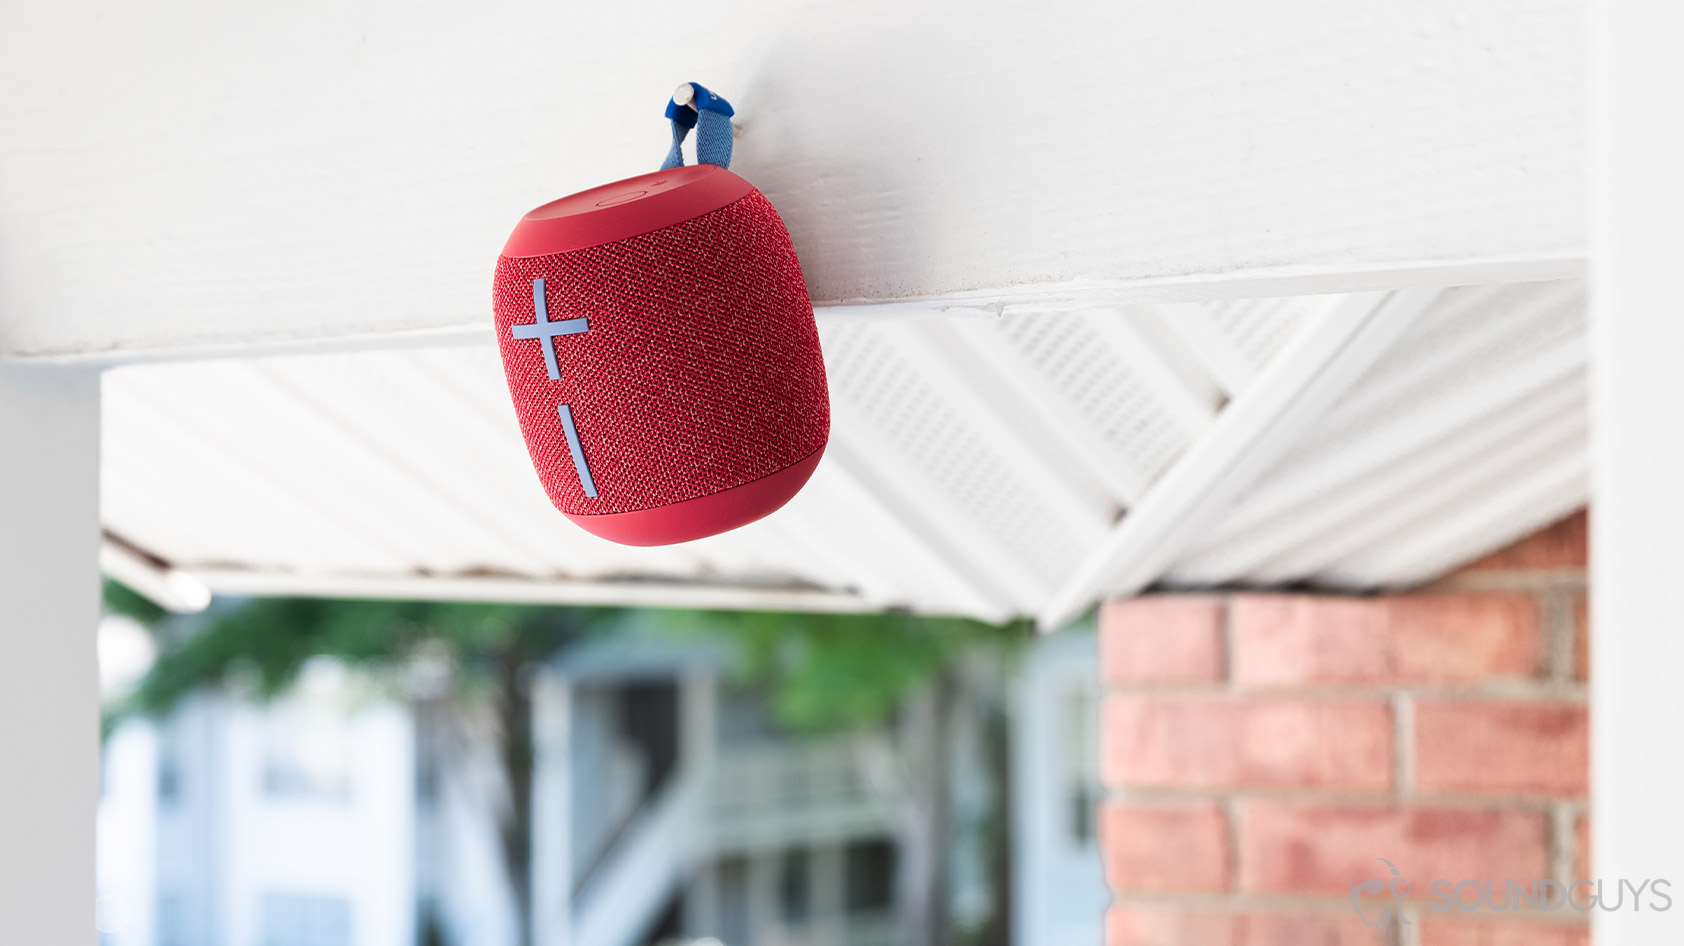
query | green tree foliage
[831, 672]
[120, 599]
[270, 639]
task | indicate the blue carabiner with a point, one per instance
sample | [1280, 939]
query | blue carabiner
[710, 115]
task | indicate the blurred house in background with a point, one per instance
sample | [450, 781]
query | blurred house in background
[296, 823]
[669, 808]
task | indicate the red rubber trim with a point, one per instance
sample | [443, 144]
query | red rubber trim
[705, 515]
[625, 209]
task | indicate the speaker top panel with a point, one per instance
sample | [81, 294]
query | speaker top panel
[624, 209]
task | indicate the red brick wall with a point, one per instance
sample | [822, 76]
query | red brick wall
[1261, 751]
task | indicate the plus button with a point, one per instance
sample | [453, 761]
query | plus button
[546, 331]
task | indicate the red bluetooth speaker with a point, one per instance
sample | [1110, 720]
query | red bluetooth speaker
[660, 348]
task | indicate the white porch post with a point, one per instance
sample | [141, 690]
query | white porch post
[49, 680]
[1637, 512]
[552, 814]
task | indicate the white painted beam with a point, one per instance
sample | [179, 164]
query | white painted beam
[191, 177]
[1327, 355]
[1637, 507]
[49, 673]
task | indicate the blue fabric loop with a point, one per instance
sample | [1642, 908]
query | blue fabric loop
[710, 115]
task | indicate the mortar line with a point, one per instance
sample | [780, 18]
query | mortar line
[1403, 749]
[1558, 636]
[1564, 842]
[1228, 657]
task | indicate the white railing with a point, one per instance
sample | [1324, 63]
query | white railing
[758, 795]
[879, 930]
[787, 791]
[629, 887]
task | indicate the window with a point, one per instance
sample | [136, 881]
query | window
[1079, 766]
[171, 922]
[733, 890]
[429, 734]
[169, 762]
[305, 752]
[795, 901]
[869, 876]
[305, 920]
[429, 923]
[744, 716]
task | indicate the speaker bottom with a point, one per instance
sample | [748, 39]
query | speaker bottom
[705, 515]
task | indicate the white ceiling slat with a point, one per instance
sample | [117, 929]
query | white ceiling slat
[439, 526]
[1543, 492]
[864, 545]
[398, 417]
[1101, 385]
[798, 549]
[1186, 394]
[1092, 403]
[1345, 519]
[469, 380]
[1326, 356]
[950, 537]
[1217, 354]
[460, 391]
[954, 577]
[923, 442]
[224, 479]
[1473, 331]
[391, 436]
[1449, 494]
[472, 376]
[1527, 359]
[1028, 408]
[1146, 325]
[386, 501]
[149, 499]
[771, 550]
[1542, 496]
[1310, 528]
[1034, 413]
[1071, 508]
[176, 528]
[1313, 473]
[1235, 339]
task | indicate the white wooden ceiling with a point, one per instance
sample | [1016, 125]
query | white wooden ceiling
[982, 465]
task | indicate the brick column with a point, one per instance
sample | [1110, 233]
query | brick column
[1263, 751]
